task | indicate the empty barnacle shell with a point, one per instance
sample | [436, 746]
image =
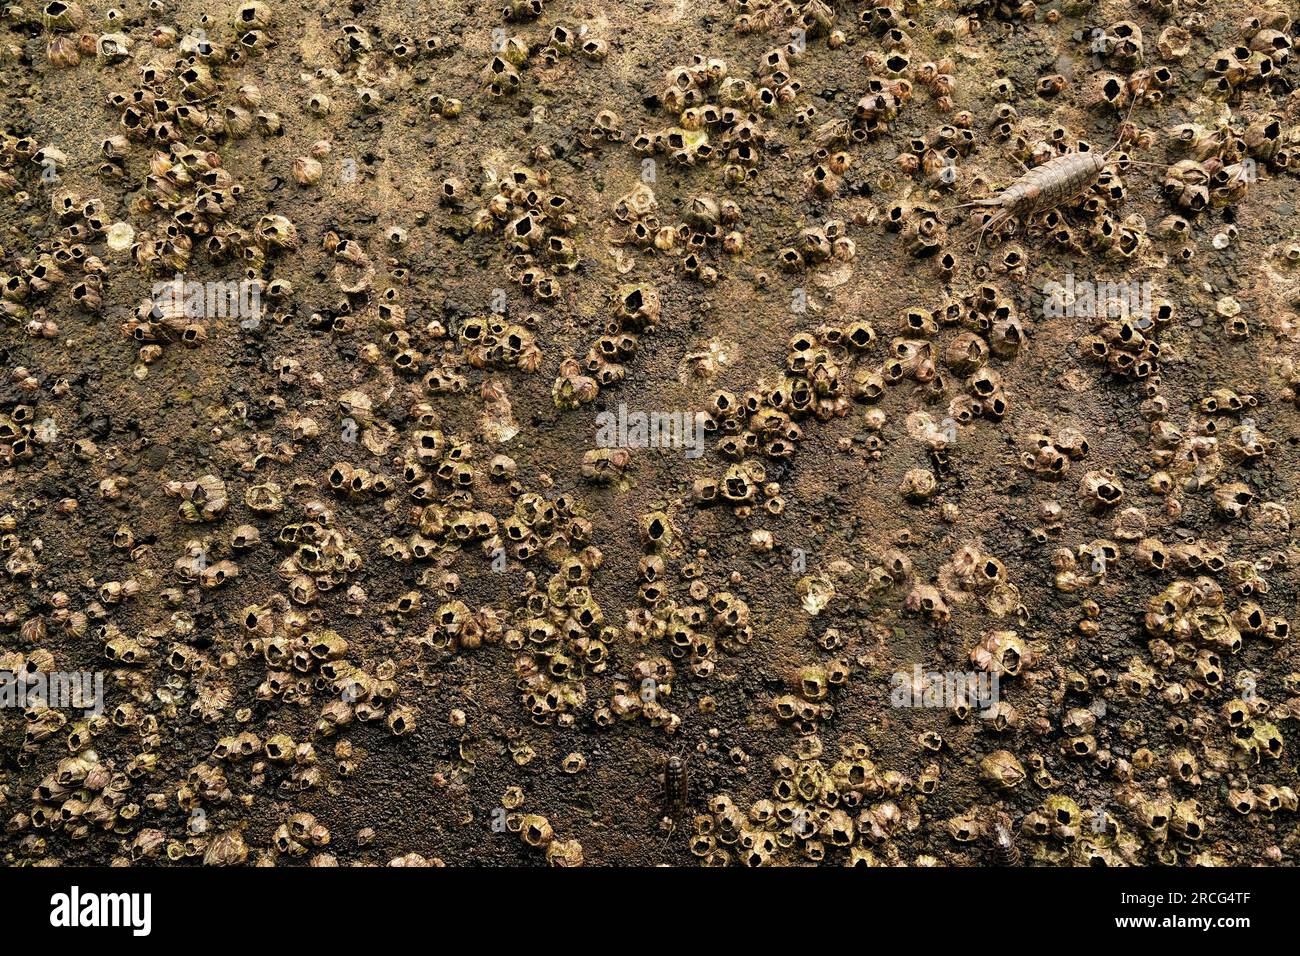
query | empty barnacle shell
[112, 47]
[276, 232]
[535, 830]
[59, 15]
[252, 15]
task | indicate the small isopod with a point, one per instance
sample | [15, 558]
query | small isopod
[1045, 187]
[677, 787]
[1005, 851]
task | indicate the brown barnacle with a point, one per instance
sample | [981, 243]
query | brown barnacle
[1002, 770]
[1187, 185]
[113, 47]
[1003, 653]
[656, 531]
[62, 15]
[276, 233]
[264, 498]
[226, 849]
[924, 231]
[926, 600]
[284, 842]
[536, 831]
[252, 15]
[303, 589]
[1263, 138]
[1151, 554]
[1185, 767]
[353, 270]
[858, 335]
[1279, 629]
[1121, 45]
[401, 721]
[1273, 798]
[319, 103]
[197, 82]
[1245, 444]
[201, 500]
[1044, 458]
[604, 465]
[822, 182]
[1249, 618]
[573, 389]
[1100, 489]
[1152, 817]
[637, 307]
[335, 714]
[1232, 499]
[500, 76]
[1140, 677]
[218, 573]
[63, 52]
[307, 170]
[790, 259]
[1186, 820]
[918, 485]
[965, 827]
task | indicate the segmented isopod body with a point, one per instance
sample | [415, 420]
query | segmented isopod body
[1005, 851]
[677, 787]
[1056, 181]
[1045, 187]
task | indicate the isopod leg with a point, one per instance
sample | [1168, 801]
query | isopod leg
[988, 201]
[994, 223]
